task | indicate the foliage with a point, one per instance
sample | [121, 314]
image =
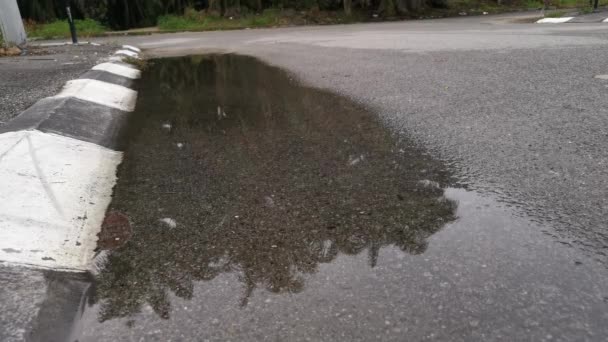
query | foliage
[141, 64]
[186, 14]
[214, 22]
[124, 14]
[61, 29]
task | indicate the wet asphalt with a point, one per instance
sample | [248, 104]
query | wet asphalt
[262, 209]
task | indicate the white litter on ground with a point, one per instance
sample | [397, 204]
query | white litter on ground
[169, 222]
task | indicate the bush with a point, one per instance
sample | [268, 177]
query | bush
[61, 29]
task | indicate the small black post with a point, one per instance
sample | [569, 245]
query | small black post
[72, 26]
[595, 4]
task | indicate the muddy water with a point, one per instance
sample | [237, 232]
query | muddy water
[234, 167]
[260, 209]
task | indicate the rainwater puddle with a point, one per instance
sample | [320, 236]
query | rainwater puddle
[261, 209]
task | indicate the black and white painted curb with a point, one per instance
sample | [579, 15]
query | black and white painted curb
[58, 162]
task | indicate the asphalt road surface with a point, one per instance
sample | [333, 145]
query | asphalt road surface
[482, 140]
[42, 73]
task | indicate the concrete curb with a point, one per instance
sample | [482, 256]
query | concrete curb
[58, 162]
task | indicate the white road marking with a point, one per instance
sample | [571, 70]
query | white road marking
[119, 70]
[55, 191]
[132, 48]
[602, 77]
[128, 53]
[605, 20]
[103, 93]
[554, 20]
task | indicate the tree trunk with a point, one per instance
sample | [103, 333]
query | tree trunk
[387, 8]
[348, 4]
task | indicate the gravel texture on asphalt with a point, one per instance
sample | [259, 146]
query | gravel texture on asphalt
[515, 107]
[27, 79]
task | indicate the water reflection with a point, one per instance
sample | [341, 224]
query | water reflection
[261, 177]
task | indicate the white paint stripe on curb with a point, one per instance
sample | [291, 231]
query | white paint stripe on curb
[127, 53]
[554, 20]
[605, 20]
[132, 48]
[103, 93]
[116, 58]
[119, 70]
[55, 191]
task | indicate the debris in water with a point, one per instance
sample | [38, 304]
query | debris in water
[169, 222]
[269, 201]
[166, 126]
[180, 145]
[115, 231]
[221, 114]
[429, 183]
[353, 161]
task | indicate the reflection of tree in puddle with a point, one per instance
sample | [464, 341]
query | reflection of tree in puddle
[272, 179]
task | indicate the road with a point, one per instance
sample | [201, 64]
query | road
[515, 107]
[507, 118]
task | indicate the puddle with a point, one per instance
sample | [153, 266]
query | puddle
[261, 209]
[260, 176]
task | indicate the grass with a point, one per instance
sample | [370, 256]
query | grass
[199, 22]
[61, 29]
[586, 10]
[141, 64]
[563, 4]
[556, 14]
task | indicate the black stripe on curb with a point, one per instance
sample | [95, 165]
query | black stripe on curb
[76, 119]
[107, 77]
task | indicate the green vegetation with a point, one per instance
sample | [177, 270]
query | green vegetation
[127, 14]
[556, 14]
[141, 64]
[61, 29]
[586, 10]
[199, 21]
[584, 5]
[214, 22]
[569, 3]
